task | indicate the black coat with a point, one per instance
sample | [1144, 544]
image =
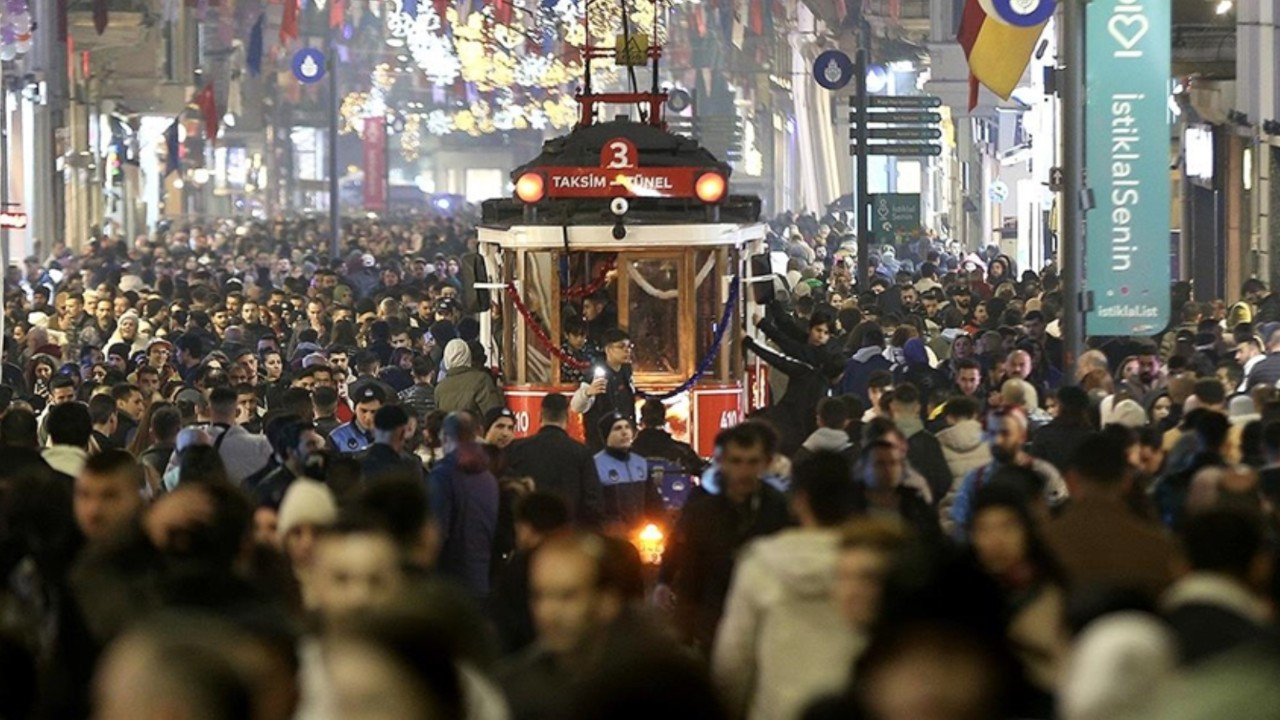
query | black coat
[1205, 630]
[1057, 441]
[381, 461]
[700, 554]
[562, 466]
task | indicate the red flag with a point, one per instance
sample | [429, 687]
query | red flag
[442, 7]
[100, 15]
[699, 21]
[502, 11]
[209, 109]
[757, 16]
[337, 12]
[289, 23]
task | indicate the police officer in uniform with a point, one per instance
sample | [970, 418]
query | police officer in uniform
[356, 436]
[629, 496]
[609, 388]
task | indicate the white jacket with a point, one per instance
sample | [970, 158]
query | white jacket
[66, 459]
[781, 643]
[965, 448]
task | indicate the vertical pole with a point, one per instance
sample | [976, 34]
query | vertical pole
[4, 194]
[860, 197]
[335, 213]
[1071, 240]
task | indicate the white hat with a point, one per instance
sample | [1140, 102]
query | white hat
[306, 502]
[1116, 666]
[1128, 413]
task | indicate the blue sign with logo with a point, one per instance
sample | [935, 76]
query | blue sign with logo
[1023, 13]
[1127, 122]
[308, 65]
[833, 69]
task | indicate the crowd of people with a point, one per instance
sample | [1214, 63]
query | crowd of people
[240, 480]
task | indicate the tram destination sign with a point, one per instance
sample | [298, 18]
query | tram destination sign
[1127, 121]
[598, 182]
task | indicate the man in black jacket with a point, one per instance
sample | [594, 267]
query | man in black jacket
[654, 442]
[387, 457]
[698, 563]
[924, 452]
[559, 464]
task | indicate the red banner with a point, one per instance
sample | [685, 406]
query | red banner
[375, 164]
[565, 182]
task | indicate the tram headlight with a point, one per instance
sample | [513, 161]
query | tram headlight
[619, 206]
[710, 187]
[531, 188]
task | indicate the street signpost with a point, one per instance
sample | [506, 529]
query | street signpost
[1127, 69]
[887, 125]
[904, 101]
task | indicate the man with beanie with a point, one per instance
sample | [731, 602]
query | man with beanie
[386, 457]
[465, 388]
[610, 389]
[307, 509]
[629, 497]
[357, 435]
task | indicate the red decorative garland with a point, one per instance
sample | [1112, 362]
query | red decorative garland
[581, 291]
[543, 339]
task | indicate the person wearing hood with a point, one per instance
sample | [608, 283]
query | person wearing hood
[832, 434]
[629, 497]
[776, 650]
[868, 359]
[963, 445]
[916, 369]
[465, 388]
[464, 499]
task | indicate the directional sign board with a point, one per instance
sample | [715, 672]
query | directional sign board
[902, 149]
[899, 133]
[897, 117]
[906, 121]
[904, 101]
[13, 220]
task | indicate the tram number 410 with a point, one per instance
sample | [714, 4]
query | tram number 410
[522, 422]
[729, 418]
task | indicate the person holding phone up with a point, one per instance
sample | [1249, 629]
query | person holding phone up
[610, 389]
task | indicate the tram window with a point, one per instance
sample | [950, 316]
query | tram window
[599, 310]
[653, 311]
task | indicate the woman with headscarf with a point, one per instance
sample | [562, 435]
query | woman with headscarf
[465, 387]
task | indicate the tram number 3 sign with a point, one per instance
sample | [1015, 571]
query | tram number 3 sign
[618, 154]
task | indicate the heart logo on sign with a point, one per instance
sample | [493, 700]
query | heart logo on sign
[1128, 30]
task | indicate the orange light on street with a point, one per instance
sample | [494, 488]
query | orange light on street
[710, 187]
[531, 187]
[650, 542]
